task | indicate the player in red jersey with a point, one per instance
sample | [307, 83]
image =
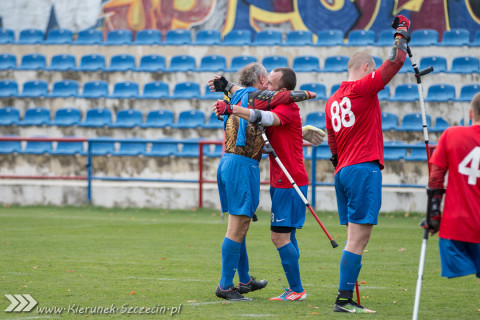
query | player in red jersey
[458, 153]
[354, 129]
[284, 129]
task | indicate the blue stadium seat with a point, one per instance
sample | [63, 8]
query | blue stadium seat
[59, 36]
[439, 64]
[468, 91]
[306, 64]
[66, 117]
[190, 119]
[238, 62]
[417, 152]
[334, 88]
[35, 89]
[128, 118]
[62, 62]
[336, 64]
[440, 125]
[36, 117]
[405, 92]
[316, 87]
[8, 88]
[211, 95]
[148, 37]
[133, 147]
[189, 148]
[316, 119]
[37, 147]
[440, 93]
[413, 122]
[159, 119]
[213, 122]
[65, 148]
[385, 38]
[476, 39]
[181, 63]
[9, 116]
[237, 37]
[7, 147]
[275, 61]
[125, 90]
[178, 37]
[34, 61]
[361, 38]
[163, 148]
[8, 61]
[384, 94]
[424, 37]
[208, 37]
[407, 67]
[92, 62]
[65, 89]
[122, 62]
[378, 61]
[102, 148]
[7, 36]
[118, 37]
[213, 63]
[30, 36]
[299, 38]
[155, 90]
[152, 63]
[217, 151]
[268, 38]
[330, 37]
[456, 37]
[95, 89]
[186, 90]
[89, 37]
[97, 117]
[394, 150]
[465, 64]
[462, 122]
[323, 151]
[389, 121]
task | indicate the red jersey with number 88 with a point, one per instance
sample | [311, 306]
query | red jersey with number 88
[353, 112]
[458, 151]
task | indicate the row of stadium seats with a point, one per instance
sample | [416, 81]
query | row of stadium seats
[133, 147]
[130, 118]
[213, 63]
[191, 90]
[393, 150]
[422, 37]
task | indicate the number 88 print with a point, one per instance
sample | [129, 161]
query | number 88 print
[346, 118]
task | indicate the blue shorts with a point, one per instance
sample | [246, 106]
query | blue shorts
[459, 258]
[359, 193]
[288, 209]
[238, 180]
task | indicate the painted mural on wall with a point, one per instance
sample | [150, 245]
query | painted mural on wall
[226, 15]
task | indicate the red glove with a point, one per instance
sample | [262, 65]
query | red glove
[401, 24]
[223, 108]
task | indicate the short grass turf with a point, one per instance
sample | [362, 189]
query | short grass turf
[71, 258]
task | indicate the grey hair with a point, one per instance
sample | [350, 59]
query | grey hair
[249, 75]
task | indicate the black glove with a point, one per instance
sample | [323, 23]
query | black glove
[334, 160]
[434, 211]
[222, 85]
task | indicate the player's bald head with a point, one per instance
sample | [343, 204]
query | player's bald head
[476, 107]
[358, 60]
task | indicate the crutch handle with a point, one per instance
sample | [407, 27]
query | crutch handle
[425, 71]
[334, 243]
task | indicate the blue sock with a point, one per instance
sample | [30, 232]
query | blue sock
[243, 268]
[350, 266]
[289, 257]
[293, 239]
[230, 257]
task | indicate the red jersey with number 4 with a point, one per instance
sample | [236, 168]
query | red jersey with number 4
[353, 112]
[287, 142]
[458, 151]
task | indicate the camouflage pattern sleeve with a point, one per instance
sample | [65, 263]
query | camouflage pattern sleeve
[266, 100]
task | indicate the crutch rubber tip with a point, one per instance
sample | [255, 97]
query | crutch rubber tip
[334, 243]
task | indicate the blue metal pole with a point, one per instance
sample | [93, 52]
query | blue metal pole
[89, 172]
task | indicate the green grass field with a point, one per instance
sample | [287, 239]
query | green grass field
[170, 261]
